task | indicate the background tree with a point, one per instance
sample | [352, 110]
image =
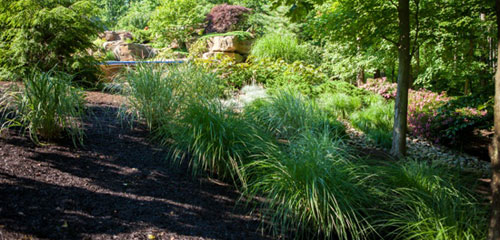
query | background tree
[34, 31]
[494, 233]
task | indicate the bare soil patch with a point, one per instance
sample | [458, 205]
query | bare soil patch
[118, 186]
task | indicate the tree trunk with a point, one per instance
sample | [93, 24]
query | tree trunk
[401, 107]
[377, 74]
[360, 78]
[494, 233]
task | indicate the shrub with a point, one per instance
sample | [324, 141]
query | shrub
[273, 74]
[312, 189]
[430, 202]
[286, 115]
[339, 105]
[46, 107]
[376, 122]
[280, 46]
[381, 87]
[178, 20]
[52, 34]
[137, 16]
[225, 18]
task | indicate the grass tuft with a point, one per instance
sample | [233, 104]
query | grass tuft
[46, 107]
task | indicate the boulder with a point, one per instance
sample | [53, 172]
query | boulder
[229, 44]
[133, 51]
[235, 56]
[110, 46]
[116, 36]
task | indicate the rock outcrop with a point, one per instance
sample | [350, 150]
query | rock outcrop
[116, 35]
[231, 46]
[132, 51]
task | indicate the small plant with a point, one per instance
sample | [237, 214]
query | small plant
[280, 46]
[376, 122]
[225, 18]
[46, 107]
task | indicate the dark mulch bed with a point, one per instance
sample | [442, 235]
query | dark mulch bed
[118, 186]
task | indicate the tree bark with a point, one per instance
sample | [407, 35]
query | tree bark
[401, 107]
[360, 78]
[377, 74]
[494, 233]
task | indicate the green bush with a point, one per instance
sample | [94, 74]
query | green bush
[312, 189]
[280, 46]
[275, 75]
[425, 201]
[286, 115]
[51, 34]
[339, 105]
[46, 107]
[376, 122]
[138, 15]
[178, 20]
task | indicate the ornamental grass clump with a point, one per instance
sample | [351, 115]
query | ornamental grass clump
[47, 107]
[157, 94]
[280, 46]
[376, 121]
[339, 105]
[216, 140]
[313, 188]
[423, 201]
[288, 114]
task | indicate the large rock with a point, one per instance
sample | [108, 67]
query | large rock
[217, 55]
[229, 44]
[133, 51]
[116, 35]
[111, 45]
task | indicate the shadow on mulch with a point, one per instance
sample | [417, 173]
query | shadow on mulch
[118, 185]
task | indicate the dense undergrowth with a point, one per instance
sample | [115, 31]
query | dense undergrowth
[290, 151]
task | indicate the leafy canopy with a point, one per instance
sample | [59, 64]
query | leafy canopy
[44, 34]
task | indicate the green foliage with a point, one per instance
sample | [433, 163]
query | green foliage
[430, 202]
[157, 94]
[216, 140]
[46, 35]
[46, 107]
[278, 46]
[312, 187]
[339, 105]
[340, 87]
[286, 115]
[138, 15]
[178, 20]
[275, 75]
[376, 121]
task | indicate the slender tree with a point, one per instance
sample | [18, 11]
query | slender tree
[494, 233]
[401, 107]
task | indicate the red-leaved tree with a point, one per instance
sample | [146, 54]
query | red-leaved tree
[224, 18]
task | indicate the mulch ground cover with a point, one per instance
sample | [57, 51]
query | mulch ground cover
[118, 186]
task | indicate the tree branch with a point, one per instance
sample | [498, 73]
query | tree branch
[390, 40]
[417, 28]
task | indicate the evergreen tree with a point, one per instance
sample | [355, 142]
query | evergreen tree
[45, 35]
